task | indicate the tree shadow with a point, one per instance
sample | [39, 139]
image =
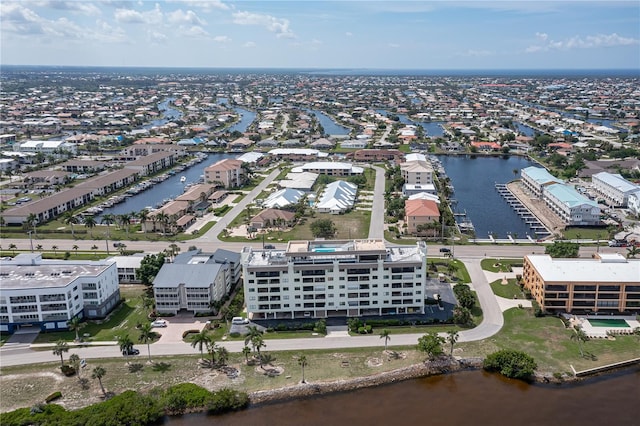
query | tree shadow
[590, 356]
[135, 367]
[161, 367]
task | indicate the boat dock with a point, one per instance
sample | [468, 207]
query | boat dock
[523, 211]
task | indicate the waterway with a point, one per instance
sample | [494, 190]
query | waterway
[246, 118]
[466, 398]
[170, 188]
[328, 124]
[167, 114]
[474, 179]
[431, 128]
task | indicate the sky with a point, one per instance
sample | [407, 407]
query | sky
[361, 34]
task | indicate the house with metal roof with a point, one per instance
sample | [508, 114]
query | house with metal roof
[338, 197]
[573, 208]
[536, 178]
[613, 188]
[283, 198]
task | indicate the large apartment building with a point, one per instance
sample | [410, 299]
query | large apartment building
[613, 188]
[606, 283]
[228, 173]
[48, 293]
[319, 279]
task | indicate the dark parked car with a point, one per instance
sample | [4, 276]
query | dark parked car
[131, 351]
[116, 245]
[269, 246]
[445, 250]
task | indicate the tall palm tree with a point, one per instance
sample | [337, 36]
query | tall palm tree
[39, 247]
[75, 247]
[143, 215]
[74, 325]
[54, 248]
[146, 336]
[70, 219]
[580, 336]
[163, 218]
[201, 340]
[223, 355]
[32, 221]
[258, 342]
[384, 334]
[125, 220]
[302, 362]
[126, 345]
[59, 349]
[90, 222]
[452, 338]
[246, 350]
[109, 220]
[252, 331]
[212, 349]
[74, 361]
[98, 373]
[13, 248]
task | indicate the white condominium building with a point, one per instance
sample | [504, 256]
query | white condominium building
[613, 188]
[319, 279]
[48, 293]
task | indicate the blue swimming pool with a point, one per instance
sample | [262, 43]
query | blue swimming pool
[324, 249]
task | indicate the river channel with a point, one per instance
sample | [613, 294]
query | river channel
[474, 179]
[467, 398]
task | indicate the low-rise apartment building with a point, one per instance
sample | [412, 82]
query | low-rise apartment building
[573, 208]
[606, 283]
[417, 172]
[613, 188]
[228, 172]
[195, 281]
[47, 293]
[348, 278]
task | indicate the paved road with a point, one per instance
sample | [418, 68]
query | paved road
[376, 225]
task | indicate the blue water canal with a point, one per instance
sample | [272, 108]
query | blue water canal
[474, 179]
[431, 128]
[165, 190]
[330, 127]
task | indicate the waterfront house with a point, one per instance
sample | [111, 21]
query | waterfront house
[421, 215]
[613, 188]
[269, 218]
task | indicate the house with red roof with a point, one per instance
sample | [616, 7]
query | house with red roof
[419, 215]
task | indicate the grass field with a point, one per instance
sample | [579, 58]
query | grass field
[508, 291]
[500, 265]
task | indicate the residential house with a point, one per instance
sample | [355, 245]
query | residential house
[269, 218]
[420, 217]
[228, 173]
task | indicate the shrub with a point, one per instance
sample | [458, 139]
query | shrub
[68, 370]
[511, 363]
[53, 397]
[178, 398]
[188, 332]
[234, 334]
[226, 400]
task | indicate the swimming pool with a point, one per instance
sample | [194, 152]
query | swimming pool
[620, 323]
[324, 249]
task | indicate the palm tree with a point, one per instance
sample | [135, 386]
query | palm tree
[32, 221]
[13, 247]
[452, 338]
[90, 222]
[108, 219]
[146, 336]
[74, 361]
[632, 252]
[59, 349]
[163, 218]
[246, 351]
[258, 342]
[384, 334]
[580, 336]
[94, 247]
[226, 314]
[212, 349]
[54, 248]
[125, 220]
[201, 340]
[74, 325]
[75, 247]
[252, 331]
[302, 362]
[98, 373]
[143, 215]
[70, 219]
[39, 247]
[126, 345]
[223, 355]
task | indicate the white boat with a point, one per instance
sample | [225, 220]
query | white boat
[183, 179]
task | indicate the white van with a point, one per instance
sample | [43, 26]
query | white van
[239, 321]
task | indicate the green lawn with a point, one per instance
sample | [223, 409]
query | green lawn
[122, 321]
[586, 233]
[460, 273]
[548, 341]
[500, 265]
[509, 291]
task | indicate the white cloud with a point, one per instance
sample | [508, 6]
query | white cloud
[222, 39]
[249, 44]
[348, 34]
[204, 4]
[478, 53]
[194, 31]
[156, 37]
[577, 42]
[279, 26]
[84, 7]
[189, 17]
[131, 16]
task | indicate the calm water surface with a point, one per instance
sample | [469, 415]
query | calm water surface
[474, 180]
[467, 398]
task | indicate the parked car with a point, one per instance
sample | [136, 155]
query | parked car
[617, 243]
[269, 246]
[239, 321]
[445, 250]
[159, 323]
[117, 245]
[130, 351]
